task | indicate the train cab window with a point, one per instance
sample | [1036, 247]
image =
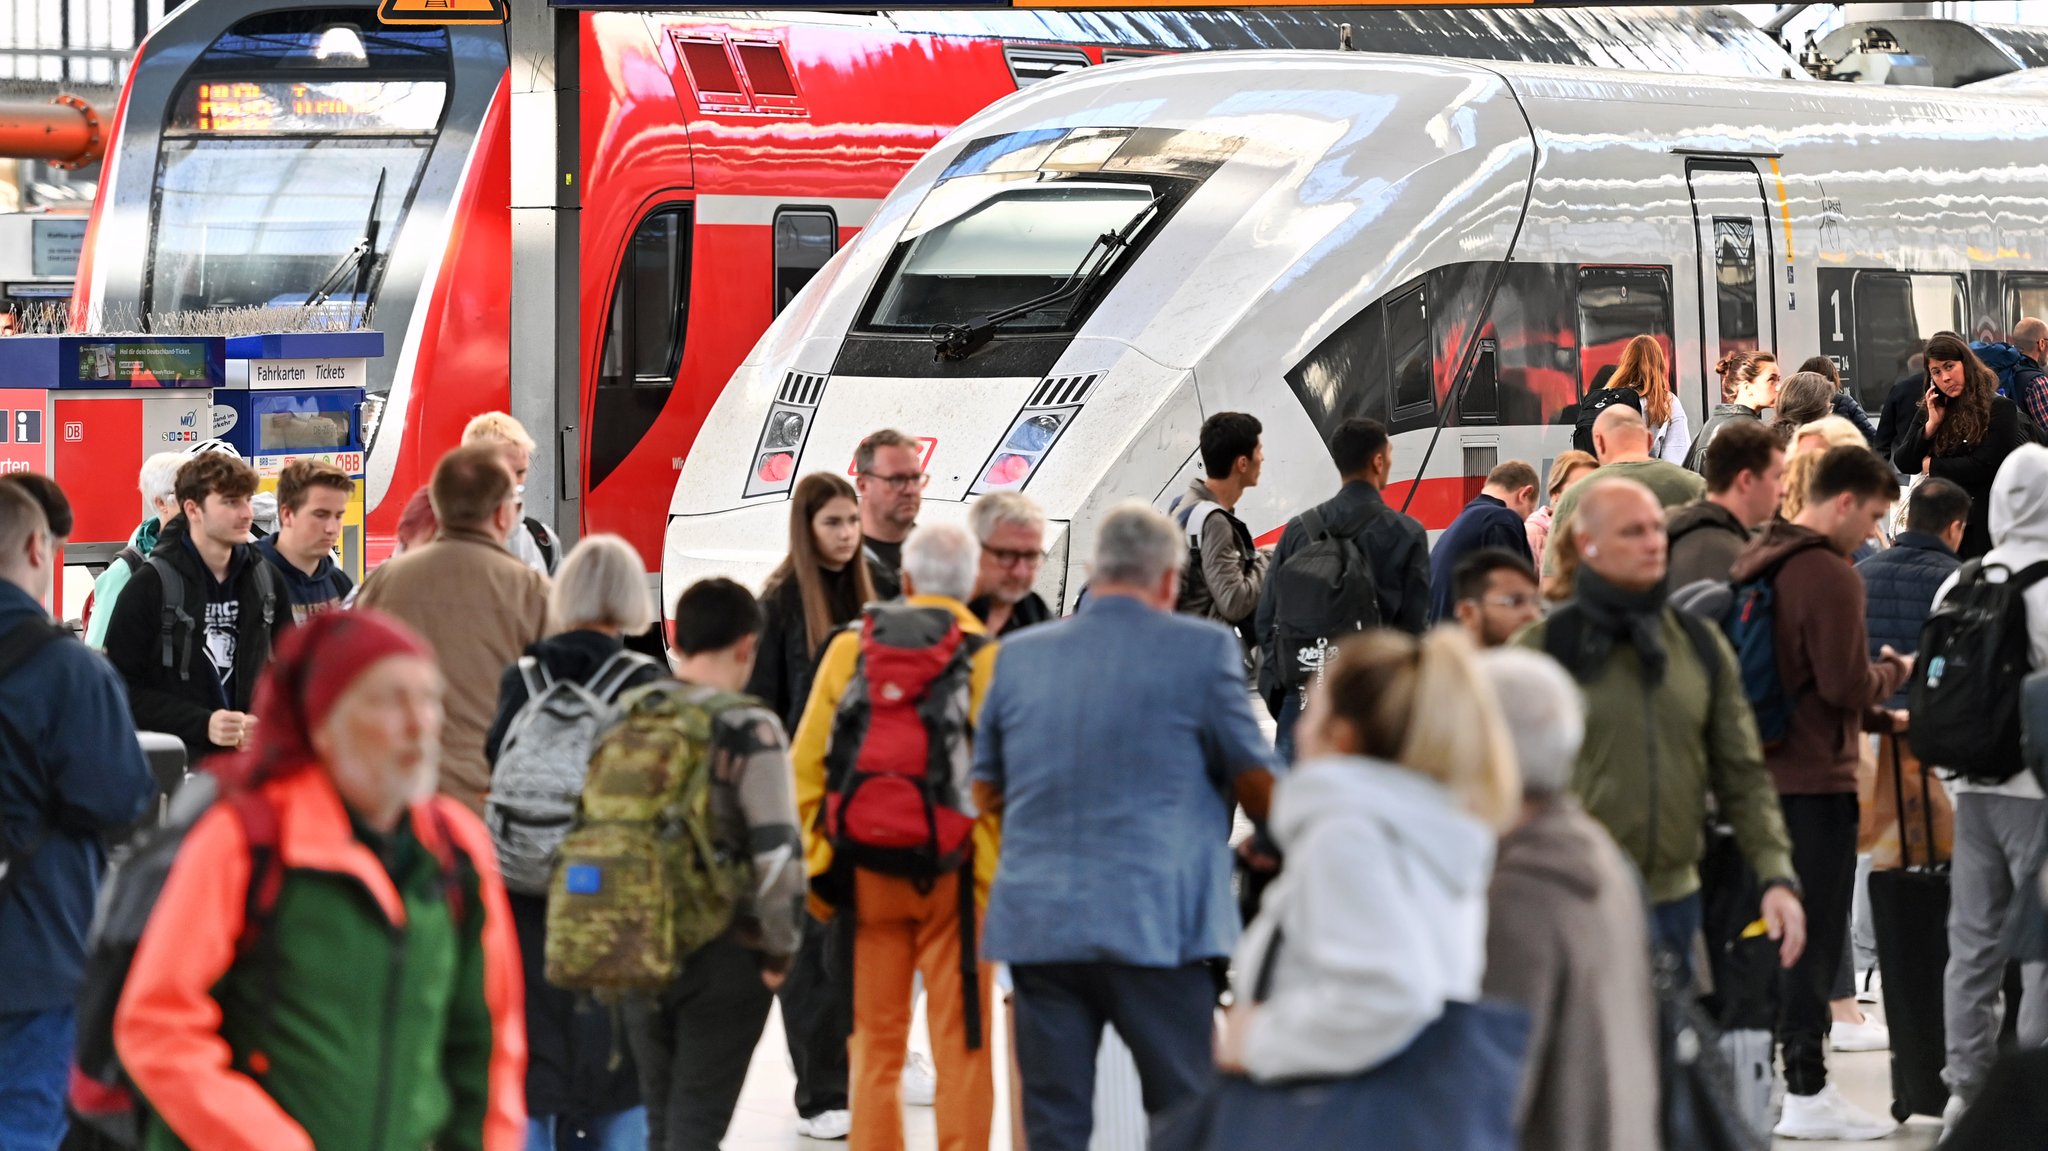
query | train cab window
[1617, 304]
[1346, 375]
[1413, 371]
[1735, 274]
[643, 343]
[290, 154]
[1018, 246]
[804, 239]
[1893, 312]
[2026, 294]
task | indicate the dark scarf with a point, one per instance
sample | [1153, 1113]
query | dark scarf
[1612, 615]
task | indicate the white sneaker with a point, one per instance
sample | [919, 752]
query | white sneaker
[1830, 1116]
[1869, 1035]
[826, 1125]
[920, 1080]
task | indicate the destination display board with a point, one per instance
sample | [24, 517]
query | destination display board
[270, 107]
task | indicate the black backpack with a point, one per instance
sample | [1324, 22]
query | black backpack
[1974, 657]
[1595, 403]
[1324, 591]
[177, 629]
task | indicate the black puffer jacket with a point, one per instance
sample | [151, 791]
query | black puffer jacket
[1898, 589]
[569, 1043]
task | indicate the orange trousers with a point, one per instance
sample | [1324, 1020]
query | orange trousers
[899, 932]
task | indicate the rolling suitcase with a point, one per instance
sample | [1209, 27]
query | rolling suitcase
[1909, 912]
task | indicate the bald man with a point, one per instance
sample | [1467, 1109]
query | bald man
[1657, 703]
[2030, 336]
[1622, 442]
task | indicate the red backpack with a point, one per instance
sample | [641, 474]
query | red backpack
[900, 754]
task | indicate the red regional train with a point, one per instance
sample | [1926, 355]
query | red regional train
[262, 145]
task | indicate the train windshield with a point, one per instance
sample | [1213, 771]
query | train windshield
[1007, 247]
[289, 158]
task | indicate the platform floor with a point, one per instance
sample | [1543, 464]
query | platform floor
[767, 1122]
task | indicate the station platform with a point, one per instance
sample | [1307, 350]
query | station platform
[765, 1120]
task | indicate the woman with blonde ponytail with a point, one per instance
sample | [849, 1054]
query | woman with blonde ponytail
[1406, 776]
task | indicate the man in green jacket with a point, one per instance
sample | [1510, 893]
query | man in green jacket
[1663, 727]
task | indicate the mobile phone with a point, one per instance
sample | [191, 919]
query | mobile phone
[1939, 398]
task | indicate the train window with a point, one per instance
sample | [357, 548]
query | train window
[1414, 374]
[1346, 375]
[2025, 295]
[1030, 66]
[1018, 246]
[1617, 304]
[1894, 311]
[1735, 283]
[643, 343]
[1480, 403]
[804, 239]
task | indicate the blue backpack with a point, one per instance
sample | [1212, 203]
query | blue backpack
[1747, 613]
[2005, 360]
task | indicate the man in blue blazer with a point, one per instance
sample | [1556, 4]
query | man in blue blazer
[1117, 744]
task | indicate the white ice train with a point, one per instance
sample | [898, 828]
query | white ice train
[1056, 296]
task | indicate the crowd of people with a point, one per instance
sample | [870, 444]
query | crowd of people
[470, 870]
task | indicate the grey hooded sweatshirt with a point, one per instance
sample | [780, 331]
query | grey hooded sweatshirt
[1382, 910]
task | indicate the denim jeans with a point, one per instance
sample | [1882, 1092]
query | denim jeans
[618, 1131]
[35, 1067]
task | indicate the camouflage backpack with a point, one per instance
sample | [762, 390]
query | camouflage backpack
[641, 881]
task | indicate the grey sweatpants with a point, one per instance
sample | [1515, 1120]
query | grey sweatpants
[1996, 840]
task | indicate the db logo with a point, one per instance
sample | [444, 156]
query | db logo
[74, 431]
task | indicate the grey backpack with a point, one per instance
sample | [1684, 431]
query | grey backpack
[542, 763]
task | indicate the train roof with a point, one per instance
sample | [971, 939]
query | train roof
[1701, 40]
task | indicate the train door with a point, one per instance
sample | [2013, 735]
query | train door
[1738, 299]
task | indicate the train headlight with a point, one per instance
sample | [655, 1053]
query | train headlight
[1023, 448]
[785, 430]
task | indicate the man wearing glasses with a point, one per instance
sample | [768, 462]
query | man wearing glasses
[890, 477]
[1011, 528]
[1494, 595]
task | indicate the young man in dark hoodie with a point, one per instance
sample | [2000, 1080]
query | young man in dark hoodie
[195, 679]
[1745, 471]
[312, 501]
[1836, 691]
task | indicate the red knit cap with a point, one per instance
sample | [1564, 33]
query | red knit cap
[313, 667]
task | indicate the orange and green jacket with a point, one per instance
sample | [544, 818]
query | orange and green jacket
[814, 739]
[367, 1014]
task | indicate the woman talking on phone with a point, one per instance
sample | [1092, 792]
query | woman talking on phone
[1962, 431]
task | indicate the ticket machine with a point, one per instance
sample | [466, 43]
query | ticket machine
[296, 395]
[87, 410]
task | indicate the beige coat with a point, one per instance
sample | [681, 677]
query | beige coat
[479, 607]
[1567, 939]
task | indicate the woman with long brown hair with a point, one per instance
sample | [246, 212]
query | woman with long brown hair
[821, 584]
[1962, 431]
[1647, 370]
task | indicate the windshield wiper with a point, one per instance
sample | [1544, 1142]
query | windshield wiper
[958, 341]
[357, 258]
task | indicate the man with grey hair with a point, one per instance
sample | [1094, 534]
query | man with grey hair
[70, 772]
[1123, 734]
[1566, 936]
[1011, 528]
[885, 743]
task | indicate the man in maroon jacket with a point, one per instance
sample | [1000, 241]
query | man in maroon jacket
[1824, 665]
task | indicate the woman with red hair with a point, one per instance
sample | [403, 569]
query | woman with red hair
[332, 962]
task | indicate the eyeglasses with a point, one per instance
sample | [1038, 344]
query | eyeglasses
[902, 483]
[1005, 557]
[1514, 602]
